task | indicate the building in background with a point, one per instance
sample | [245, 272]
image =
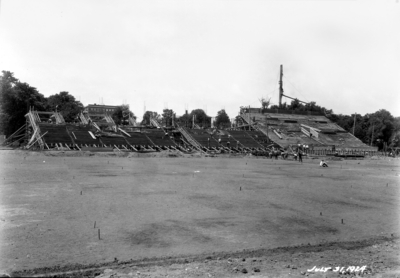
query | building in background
[99, 109]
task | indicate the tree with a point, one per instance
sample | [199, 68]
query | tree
[149, 115]
[17, 101]
[121, 115]
[65, 104]
[381, 127]
[296, 105]
[167, 116]
[200, 118]
[265, 103]
[394, 141]
[7, 81]
[222, 120]
[184, 120]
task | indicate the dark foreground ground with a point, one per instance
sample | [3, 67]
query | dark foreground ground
[193, 216]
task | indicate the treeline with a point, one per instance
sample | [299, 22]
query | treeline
[16, 98]
[196, 117]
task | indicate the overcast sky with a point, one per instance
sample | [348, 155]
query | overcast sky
[344, 55]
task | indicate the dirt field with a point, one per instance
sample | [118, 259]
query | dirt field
[53, 206]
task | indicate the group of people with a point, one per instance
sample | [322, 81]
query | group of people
[298, 155]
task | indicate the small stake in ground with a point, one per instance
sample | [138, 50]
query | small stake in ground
[240, 189]
[81, 192]
[342, 221]
[320, 213]
[99, 233]
[387, 185]
[94, 225]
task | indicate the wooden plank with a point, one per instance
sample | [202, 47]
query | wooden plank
[91, 134]
[124, 132]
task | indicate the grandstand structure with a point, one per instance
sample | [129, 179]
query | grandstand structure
[310, 130]
[260, 132]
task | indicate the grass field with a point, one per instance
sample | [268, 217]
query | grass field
[152, 207]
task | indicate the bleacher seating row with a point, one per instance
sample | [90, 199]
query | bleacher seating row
[79, 135]
[236, 138]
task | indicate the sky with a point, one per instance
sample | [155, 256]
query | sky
[211, 55]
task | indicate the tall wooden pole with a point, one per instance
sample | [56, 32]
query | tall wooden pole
[372, 135]
[354, 125]
[280, 87]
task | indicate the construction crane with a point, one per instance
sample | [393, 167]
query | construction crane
[281, 94]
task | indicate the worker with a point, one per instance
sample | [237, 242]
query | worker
[323, 163]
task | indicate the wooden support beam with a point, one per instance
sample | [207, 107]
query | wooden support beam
[133, 147]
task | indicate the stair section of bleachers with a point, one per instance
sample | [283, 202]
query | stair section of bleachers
[244, 138]
[203, 137]
[159, 138]
[259, 137]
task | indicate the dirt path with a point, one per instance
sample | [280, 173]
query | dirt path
[377, 257]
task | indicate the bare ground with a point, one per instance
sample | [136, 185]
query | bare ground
[188, 215]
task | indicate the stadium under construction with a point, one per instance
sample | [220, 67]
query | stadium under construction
[258, 131]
